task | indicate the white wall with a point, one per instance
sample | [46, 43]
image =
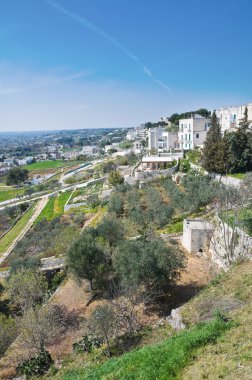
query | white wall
[192, 132]
[229, 116]
[161, 140]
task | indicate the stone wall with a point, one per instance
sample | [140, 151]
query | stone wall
[228, 245]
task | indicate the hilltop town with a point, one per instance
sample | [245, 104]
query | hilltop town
[117, 245]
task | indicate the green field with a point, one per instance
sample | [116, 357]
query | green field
[9, 193]
[47, 212]
[54, 207]
[7, 240]
[163, 361]
[60, 202]
[45, 165]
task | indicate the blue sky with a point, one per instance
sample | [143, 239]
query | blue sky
[117, 63]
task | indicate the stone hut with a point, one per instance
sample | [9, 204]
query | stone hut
[196, 235]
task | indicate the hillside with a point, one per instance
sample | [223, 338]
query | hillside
[209, 350]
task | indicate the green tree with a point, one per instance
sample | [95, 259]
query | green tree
[158, 212]
[199, 190]
[115, 178]
[116, 204]
[215, 151]
[85, 257]
[111, 230]
[16, 176]
[184, 166]
[152, 263]
[108, 166]
[26, 288]
[102, 323]
[240, 146]
[41, 326]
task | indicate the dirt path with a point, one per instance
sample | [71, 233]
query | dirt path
[41, 204]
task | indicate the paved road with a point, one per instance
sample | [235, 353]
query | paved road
[36, 213]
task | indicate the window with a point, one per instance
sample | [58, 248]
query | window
[185, 136]
[234, 117]
[189, 137]
[197, 135]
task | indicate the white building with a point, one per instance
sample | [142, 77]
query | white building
[161, 140]
[138, 133]
[229, 117]
[130, 135]
[90, 150]
[196, 235]
[52, 148]
[192, 131]
[25, 161]
[9, 161]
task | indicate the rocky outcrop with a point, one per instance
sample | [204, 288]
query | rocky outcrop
[175, 319]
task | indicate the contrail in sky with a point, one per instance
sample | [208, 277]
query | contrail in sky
[110, 39]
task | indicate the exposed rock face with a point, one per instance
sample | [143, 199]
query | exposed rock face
[175, 319]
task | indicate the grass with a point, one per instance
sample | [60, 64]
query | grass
[173, 228]
[48, 211]
[243, 217]
[7, 240]
[9, 193]
[231, 357]
[163, 361]
[51, 164]
[60, 202]
[54, 207]
[237, 175]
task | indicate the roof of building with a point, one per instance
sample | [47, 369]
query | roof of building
[199, 224]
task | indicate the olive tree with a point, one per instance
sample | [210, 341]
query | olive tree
[102, 323]
[41, 326]
[85, 257]
[152, 263]
[26, 288]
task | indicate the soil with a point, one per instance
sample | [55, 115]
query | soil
[75, 296]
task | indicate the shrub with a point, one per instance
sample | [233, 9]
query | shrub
[87, 343]
[184, 166]
[57, 280]
[36, 366]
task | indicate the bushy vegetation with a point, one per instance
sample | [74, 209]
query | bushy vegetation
[16, 176]
[87, 343]
[115, 178]
[162, 361]
[35, 366]
[46, 238]
[231, 153]
[174, 118]
[10, 215]
[194, 156]
[197, 190]
[8, 332]
[150, 263]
